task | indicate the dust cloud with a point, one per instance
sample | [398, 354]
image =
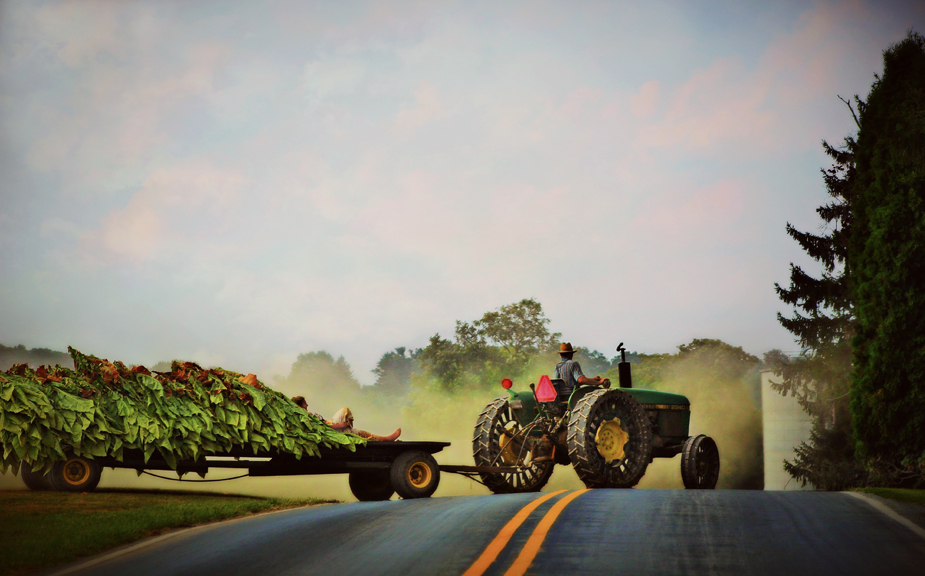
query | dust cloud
[722, 407]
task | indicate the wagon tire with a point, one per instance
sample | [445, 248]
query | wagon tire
[486, 451]
[75, 474]
[34, 480]
[415, 474]
[699, 463]
[371, 485]
[619, 413]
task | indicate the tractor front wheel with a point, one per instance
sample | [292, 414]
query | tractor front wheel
[499, 441]
[609, 439]
[700, 463]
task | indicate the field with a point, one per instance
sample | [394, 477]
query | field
[40, 530]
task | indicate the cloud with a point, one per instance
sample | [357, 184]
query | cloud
[705, 213]
[331, 76]
[116, 93]
[644, 102]
[79, 31]
[735, 107]
[145, 227]
[715, 105]
[427, 109]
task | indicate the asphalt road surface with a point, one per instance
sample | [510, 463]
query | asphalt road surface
[570, 533]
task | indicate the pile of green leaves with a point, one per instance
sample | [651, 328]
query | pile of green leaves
[103, 408]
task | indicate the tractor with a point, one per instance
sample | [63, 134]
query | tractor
[610, 436]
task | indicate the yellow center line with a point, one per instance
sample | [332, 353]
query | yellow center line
[532, 547]
[497, 545]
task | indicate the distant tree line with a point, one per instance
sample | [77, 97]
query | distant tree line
[10, 355]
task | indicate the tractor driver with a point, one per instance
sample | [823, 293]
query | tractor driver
[570, 372]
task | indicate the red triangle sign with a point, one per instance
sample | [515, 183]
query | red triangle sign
[546, 392]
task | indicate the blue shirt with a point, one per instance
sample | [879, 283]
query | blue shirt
[569, 371]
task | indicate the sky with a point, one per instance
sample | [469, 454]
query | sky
[237, 183]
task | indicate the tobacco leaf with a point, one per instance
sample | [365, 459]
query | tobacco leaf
[180, 415]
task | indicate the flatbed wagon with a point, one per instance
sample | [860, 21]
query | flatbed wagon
[375, 471]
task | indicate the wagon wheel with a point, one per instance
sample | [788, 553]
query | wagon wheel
[609, 439]
[370, 485]
[700, 463]
[415, 474]
[499, 441]
[76, 474]
[34, 480]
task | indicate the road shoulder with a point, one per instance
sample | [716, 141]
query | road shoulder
[913, 514]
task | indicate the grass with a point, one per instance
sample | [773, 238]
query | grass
[40, 530]
[900, 494]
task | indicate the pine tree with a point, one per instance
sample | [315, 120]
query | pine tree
[823, 323]
[888, 255]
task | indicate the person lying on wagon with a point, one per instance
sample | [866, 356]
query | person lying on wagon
[343, 422]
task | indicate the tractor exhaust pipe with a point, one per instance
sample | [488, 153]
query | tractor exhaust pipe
[626, 377]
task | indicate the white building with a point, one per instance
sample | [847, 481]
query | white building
[785, 426]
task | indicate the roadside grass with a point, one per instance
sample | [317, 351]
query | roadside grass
[900, 494]
[40, 530]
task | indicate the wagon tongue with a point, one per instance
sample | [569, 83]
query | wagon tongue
[545, 391]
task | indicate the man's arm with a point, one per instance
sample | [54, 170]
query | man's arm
[596, 381]
[585, 381]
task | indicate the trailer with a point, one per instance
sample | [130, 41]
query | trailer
[375, 471]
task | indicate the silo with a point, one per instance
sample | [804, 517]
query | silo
[785, 425]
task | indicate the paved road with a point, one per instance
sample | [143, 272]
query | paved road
[635, 532]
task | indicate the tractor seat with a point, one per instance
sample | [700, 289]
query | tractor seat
[559, 385]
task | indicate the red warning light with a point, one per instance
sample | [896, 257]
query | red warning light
[507, 383]
[545, 391]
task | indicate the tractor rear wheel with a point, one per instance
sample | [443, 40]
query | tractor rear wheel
[609, 439]
[700, 463]
[498, 441]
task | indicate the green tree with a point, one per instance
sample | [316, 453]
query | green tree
[823, 323]
[887, 250]
[393, 372]
[519, 327]
[502, 343]
[594, 362]
[724, 360]
[326, 383]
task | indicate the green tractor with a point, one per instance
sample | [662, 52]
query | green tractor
[609, 436]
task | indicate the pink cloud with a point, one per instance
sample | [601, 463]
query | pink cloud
[716, 104]
[704, 212]
[141, 229]
[427, 108]
[727, 104]
[644, 102]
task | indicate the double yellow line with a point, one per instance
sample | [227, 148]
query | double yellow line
[532, 547]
